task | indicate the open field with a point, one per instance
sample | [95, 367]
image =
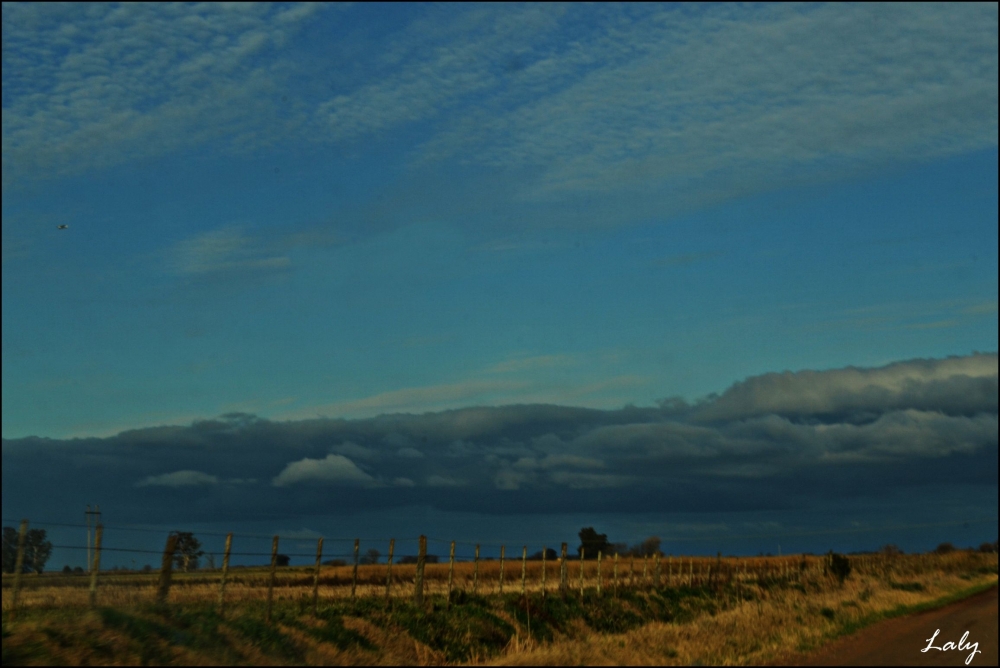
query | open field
[710, 610]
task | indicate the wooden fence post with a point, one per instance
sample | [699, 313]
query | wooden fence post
[524, 568]
[451, 570]
[388, 571]
[225, 574]
[616, 575]
[97, 565]
[22, 534]
[270, 581]
[166, 570]
[544, 550]
[656, 569]
[354, 575]
[418, 581]
[582, 554]
[319, 558]
[501, 568]
[598, 572]
[475, 572]
[562, 570]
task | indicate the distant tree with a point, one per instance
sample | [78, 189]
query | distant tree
[210, 562]
[550, 555]
[988, 547]
[67, 570]
[148, 568]
[890, 550]
[944, 548]
[37, 550]
[592, 542]
[283, 560]
[334, 562]
[370, 557]
[646, 548]
[78, 570]
[187, 552]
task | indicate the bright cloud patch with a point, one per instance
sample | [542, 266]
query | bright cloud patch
[334, 468]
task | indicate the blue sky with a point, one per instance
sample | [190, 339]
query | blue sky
[343, 211]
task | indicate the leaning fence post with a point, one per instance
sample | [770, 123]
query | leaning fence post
[451, 570]
[97, 565]
[270, 581]
[544, 550]
[225, 573]
[388, 570]
[319, 557]
[501, 568]
[22, 533]
[475, 572]
[418, 580]
[582, 554]
[524, 567]
[562, 570]
[354, 575]
[599, 572]
[166, 569]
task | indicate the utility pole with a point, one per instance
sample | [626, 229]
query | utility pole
[88, 513]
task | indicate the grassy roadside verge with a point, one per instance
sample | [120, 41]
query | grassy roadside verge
[766, 631]
[902, 610]
[723, 624]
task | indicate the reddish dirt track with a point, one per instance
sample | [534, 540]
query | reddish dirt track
[897, 642]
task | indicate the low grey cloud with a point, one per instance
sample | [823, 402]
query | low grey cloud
[769, 442]
[955, 386]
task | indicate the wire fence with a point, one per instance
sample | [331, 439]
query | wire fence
[413, 568]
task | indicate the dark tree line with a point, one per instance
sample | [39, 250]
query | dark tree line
[592, 542]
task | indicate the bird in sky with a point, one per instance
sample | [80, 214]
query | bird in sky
[62, 227]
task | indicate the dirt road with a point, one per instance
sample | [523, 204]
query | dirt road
[898, 642]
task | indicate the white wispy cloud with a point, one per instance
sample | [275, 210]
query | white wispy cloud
[697, 100]
[91, 86]
[415, 399]
[680, 104]
[224, 250]
[179, 479]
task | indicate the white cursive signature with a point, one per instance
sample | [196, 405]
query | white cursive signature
[948, 646]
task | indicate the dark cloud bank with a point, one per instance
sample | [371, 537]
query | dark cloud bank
[772, 442]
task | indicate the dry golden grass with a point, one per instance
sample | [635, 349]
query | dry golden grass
[767, 608]
[125, 589]
[773, 627]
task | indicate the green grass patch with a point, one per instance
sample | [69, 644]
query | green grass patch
[334, 632]
[853, 625]
[266, 637]
[906, 586]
